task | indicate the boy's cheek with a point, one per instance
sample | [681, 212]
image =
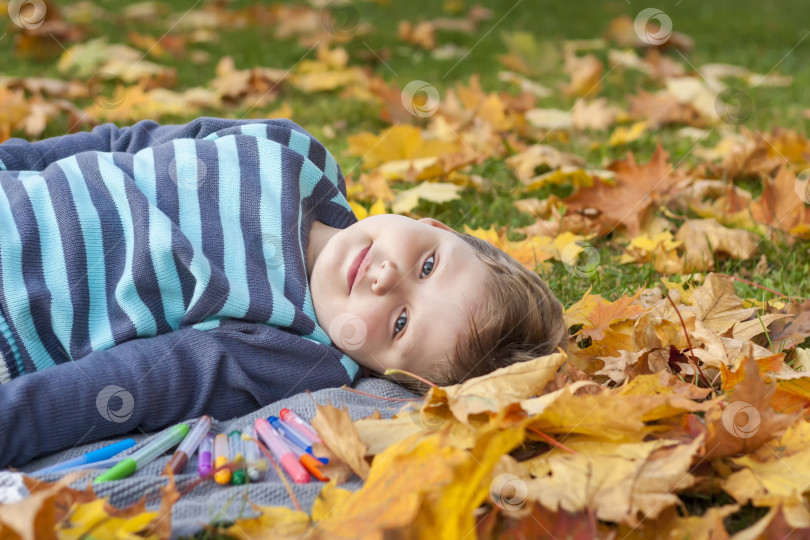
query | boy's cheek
[349, 332]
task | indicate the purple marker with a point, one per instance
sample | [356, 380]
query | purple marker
[204, 455]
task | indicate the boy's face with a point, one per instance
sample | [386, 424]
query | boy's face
[412, 295]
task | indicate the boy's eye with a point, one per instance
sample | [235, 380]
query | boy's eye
[397, 328]
[429, 262]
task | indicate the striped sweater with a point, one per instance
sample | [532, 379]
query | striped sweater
[151, 274]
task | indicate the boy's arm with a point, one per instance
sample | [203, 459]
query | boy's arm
[21, 155]
[151, 383]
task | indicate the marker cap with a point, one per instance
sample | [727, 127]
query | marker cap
[122, 469]
[238, 477]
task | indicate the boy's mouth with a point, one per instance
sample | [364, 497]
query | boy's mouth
[354, 267]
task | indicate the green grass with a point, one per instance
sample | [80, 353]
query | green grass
[759, 36]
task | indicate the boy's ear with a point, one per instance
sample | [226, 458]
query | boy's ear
[436, 223]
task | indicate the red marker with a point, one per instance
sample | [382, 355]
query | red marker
[300, 425]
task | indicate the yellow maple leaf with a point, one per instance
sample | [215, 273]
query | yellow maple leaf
[619, 481]
[393, 488]
[496, 390]
[360, 211]
[776, 474]
[576, 175]
[274, 521]
[623, 135]
[95, 518]
[398, 142]
[13, 109]
[439, 192]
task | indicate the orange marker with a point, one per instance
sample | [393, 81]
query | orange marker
[309, 462]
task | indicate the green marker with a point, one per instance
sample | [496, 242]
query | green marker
[148, 453]
[236, 455]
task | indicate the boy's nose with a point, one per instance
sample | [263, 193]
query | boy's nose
[385, 277]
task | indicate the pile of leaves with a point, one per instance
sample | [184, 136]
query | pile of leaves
[553, 447]
[677, 410]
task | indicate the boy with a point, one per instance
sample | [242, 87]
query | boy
[152, 274]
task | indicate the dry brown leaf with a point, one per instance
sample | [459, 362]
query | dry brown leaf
[585, 73]
[337, 431]
[596, 115]
[636, 189]
[496, 390]
[663, 108]
[704, 238]
[618, 481]
[746, 420]
[422, 34]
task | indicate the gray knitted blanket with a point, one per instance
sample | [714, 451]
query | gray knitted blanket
[210, 502]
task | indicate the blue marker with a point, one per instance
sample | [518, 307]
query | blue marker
[288, 432]
[90, 457]
[105, 464]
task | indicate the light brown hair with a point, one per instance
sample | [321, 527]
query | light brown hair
[518, 319]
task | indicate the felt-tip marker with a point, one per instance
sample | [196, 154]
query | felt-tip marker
[287, 432]
[189, 445]
[221, 453]
[205, 455]
[281, 451]
[309, 462]
[255, 462]
[236, 455]
[95, 456]
[300, 425]
[148, 453]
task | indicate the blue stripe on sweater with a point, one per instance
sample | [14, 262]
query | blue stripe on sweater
[350, 365]
[3, 166]
[98, 318]
[125, 292]
[230, 199]
[270, 167]
[331, 169]
[189, 173]
[309, 178]
[318, 334]
[43, 342]
[160, 239]
[254, 130]
[11, 261]
[299, 142]
[54, 267]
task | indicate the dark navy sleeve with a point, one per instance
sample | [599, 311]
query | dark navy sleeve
[151, 383]
[21, 155]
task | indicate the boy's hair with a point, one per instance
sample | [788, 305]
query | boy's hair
[519, 319]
